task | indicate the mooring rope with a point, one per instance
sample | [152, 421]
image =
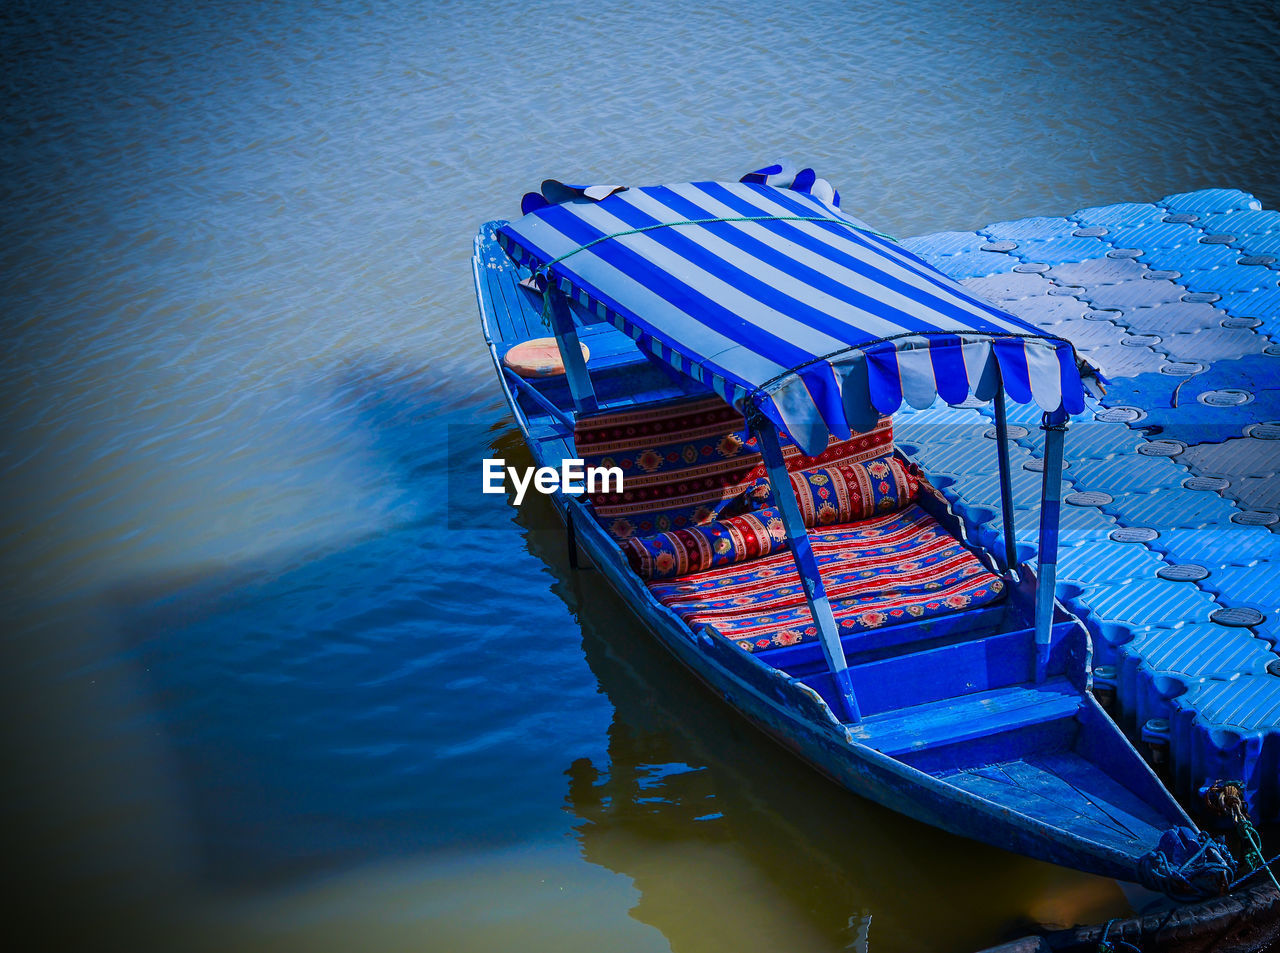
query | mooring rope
[1106, 946]
[1226, 798]
[1253, 857]
[1205, 872]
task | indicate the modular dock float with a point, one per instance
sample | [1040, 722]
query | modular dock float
[1170, 553]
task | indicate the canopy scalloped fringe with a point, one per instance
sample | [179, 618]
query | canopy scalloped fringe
[772, 297]
[866, 383]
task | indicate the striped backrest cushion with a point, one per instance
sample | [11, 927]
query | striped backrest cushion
[682, 461]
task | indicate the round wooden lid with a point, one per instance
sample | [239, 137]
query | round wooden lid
[539, 357]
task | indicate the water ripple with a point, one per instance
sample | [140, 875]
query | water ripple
[258, 635]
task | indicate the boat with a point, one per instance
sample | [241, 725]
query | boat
[735, 351]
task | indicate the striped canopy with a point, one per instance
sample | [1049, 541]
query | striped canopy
[774, 298]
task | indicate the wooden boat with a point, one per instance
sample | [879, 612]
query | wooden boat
[749, 343]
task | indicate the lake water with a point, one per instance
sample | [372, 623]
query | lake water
[267, 684]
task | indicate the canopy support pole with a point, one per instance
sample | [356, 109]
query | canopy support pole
[1006, 482]
[575, 368]
[815, 593]
[1054, 426]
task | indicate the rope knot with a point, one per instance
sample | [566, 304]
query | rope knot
[1187, 865]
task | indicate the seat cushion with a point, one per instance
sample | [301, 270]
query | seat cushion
[539, 357]
[683, 461]
[886, 570]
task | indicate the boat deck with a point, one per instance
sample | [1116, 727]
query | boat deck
[1170, 551]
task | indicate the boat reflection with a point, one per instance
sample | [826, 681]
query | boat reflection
[735, 844]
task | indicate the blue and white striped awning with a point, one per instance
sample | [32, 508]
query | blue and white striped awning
[772, 296]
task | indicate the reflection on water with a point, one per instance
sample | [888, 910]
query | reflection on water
[269, 678]
[717, 825]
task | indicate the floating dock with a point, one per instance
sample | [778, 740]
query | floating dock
[1170, 553]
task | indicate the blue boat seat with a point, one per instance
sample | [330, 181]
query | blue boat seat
[964, 718]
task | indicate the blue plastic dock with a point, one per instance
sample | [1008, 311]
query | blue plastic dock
[1171, 555]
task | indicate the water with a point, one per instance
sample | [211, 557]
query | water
[263, 685]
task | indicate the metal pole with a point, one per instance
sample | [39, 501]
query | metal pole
[521, 386]
[815, 592]
[575, 368]
[1006, 484]
[1054, 426]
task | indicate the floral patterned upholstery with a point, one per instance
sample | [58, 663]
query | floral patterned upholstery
[849, 492]
[694, 519]
[687, 462]
[898, 567]
[827, 495]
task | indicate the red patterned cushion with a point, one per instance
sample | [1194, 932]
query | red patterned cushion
[683, 461]
[848, 492]
[839, 494]
[895, 568]
[718, 543]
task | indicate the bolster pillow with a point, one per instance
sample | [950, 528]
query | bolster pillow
[693, 549]
[854, 491]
